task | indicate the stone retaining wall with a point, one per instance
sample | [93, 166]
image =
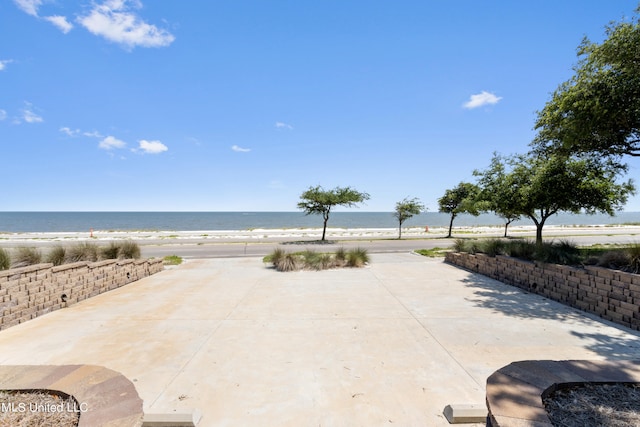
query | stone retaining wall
[611, 294]
[29, 292]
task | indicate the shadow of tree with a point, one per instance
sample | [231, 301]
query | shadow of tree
[513, 301]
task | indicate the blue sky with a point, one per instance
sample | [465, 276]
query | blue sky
[241, 105]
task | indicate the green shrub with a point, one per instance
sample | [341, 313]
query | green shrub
[460, 245]
[111, 251]
[617, 259]
[357, 257]
[275, 256]
[341, 254]
[563, 252]
[5, 259]
[26, 256]
[523, 249]
[129, 250]
[492, 247]
[57, 255]
[633, 253]
[84, 251]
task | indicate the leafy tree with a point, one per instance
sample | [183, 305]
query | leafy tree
[317, 200]
[545, 185]
[497, 195]
[598, 108]
[405, 209]
[460, 199]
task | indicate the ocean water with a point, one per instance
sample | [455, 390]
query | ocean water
[15, 222]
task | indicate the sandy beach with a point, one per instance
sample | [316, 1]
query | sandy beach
[145, 237]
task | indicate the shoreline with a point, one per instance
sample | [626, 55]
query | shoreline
[288, 234]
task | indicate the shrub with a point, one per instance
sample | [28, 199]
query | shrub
[5, 259]
[493, 247]
[57, 255]
[357, 257]
[523, 249]
[275, 256]
[613, 259]
[26, 256]
[129, 250]
[341, 254]
[111, 251]
[633, 252]
[563, 252]
[84, 251]
[287, 262]
[460, 245]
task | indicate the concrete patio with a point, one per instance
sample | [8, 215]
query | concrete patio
[389, 344]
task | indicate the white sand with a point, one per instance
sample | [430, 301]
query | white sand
[309, 234]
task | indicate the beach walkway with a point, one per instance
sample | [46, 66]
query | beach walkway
[389, 344]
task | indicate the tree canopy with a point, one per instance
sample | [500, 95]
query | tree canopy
[405, 209]
[598, 108]
[497, 194]
[545, 185]
[461, 199]
[317, 200]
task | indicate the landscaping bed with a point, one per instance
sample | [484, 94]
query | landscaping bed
[312, 260]
[39, 408]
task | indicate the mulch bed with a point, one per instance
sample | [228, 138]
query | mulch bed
[595, 405]
[37, 409]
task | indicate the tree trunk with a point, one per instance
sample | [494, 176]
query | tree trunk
[324, 228]
[451, 224]
[506, 224]
[400, 230]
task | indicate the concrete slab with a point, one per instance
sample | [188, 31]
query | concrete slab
[392, 343]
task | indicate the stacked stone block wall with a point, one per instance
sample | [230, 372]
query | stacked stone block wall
[611, 294]
[29, 292]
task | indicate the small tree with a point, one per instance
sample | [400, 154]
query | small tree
[460, 199]
[405, 209]
[317, 200]
[497, 195]
[545, 185]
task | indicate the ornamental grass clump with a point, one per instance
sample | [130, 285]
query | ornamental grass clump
[5, 259]
[84, 251]
[26, 256]
[357, 257]
[111, 251]
[633, 252]
[57, 255]
[129, 250]
[312, 260]
[287, 262]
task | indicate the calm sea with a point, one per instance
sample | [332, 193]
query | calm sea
[83, 221]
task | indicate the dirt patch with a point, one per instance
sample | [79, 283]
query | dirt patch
[595, 405]
[37, 409]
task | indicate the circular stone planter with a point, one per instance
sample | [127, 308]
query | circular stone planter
[515, 392]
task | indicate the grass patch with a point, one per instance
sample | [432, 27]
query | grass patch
[5, 259]
[172, 260]
[436, 252]
[26, 256]
[57, 255]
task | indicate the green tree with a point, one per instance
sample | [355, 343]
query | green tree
[461, 199]
[318, 201]
[545, 185]
[598, 108]
[405, 209]
[497, 195]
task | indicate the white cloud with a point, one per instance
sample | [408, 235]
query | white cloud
[481, 99]
[29, 6]
[29, 116]
[94, 134]
[60, 22]
[110, 142]
[3, 115]
[240, 149]
[3, 63]
[69, 131]
[152, 147]
[114, 21]
[280, 125]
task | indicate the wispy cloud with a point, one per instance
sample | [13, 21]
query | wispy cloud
[93, 134]
[481, 99]
[110, 143]
[29, 6]
[69, 132]
[60, 22]
[152, 147]
[240, 149]
[281, 125]
[3, 115]
[29, 116]
[114, 20]
[4, 62]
